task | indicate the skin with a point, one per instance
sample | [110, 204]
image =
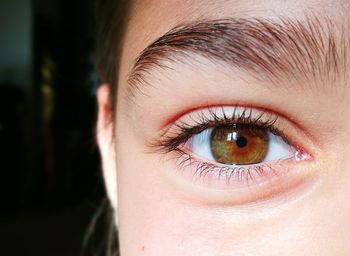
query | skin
[161, 211]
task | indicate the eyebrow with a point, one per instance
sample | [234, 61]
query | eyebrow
[277, 50]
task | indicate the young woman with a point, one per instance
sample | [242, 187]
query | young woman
[223, 126]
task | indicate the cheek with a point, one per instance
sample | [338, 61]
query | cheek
[151, 220]
[155, 220]
[152, 217]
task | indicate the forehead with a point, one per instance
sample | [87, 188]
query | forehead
[150, 19]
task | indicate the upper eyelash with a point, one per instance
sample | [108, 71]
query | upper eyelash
[185, 131]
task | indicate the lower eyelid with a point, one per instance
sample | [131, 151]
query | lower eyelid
[219, 176]
[285, 177]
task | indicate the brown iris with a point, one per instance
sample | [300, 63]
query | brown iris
[239, 144]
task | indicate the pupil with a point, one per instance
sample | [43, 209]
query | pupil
[241, 142]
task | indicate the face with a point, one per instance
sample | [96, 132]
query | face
[231, 129]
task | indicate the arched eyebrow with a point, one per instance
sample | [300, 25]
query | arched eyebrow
[277, 50]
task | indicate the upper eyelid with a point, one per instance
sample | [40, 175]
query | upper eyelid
[214, 116]
[296, 122]
[184, 130]
[229, 121]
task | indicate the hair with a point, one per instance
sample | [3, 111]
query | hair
[111, 20]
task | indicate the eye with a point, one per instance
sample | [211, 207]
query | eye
[235, 155]
[229, 147]
[238, 144]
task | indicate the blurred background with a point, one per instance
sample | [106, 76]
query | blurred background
[50, 184]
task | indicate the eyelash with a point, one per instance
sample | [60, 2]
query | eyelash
[185, 131]
[172, 141]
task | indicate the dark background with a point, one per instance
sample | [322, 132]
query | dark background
[50, 182]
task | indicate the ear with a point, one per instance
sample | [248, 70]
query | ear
[106, 143]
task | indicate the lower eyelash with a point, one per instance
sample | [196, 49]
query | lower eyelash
[247, 174]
